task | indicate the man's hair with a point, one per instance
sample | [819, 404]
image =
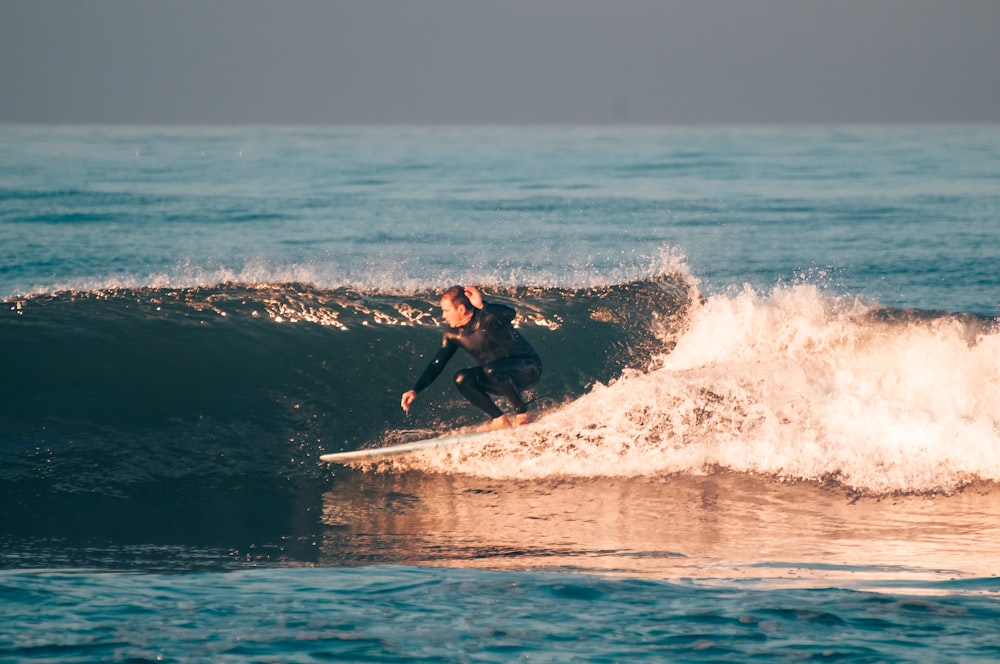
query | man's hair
[456, 295]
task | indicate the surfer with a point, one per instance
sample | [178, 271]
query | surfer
[507, 362]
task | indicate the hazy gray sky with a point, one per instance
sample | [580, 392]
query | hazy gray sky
[503, 61]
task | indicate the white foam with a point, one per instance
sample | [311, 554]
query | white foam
[794, 384]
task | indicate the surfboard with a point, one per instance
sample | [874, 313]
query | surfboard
[378, 453]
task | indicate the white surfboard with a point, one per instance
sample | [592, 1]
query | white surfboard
[378, 453]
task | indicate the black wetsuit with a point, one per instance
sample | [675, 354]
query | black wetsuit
[507, 363]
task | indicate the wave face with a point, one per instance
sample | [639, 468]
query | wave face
[177, 402]
[166, 396]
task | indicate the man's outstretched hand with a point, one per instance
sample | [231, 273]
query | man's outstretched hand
[408, 398]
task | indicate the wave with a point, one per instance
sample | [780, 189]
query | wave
[187, 392]
[108, 390]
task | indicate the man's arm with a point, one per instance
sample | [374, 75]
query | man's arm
[432, 371]
[501, 312]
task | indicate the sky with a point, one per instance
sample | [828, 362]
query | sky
[499, 61]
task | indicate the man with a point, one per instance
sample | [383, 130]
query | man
[507, 363]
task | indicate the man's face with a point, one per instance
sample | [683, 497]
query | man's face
[454, 316]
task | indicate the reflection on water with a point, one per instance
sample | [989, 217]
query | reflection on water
[729, 527]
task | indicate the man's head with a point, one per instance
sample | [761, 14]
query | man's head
[455, 306]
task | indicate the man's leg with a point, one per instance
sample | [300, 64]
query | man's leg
[509, 377]
[474, 386]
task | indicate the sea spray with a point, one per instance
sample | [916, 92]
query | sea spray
[796, 385]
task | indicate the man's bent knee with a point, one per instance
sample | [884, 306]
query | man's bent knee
[463, 376]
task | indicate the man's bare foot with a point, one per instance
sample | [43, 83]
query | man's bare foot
[522, 418]
[499, 423]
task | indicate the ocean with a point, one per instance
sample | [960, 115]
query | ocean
[770, 409]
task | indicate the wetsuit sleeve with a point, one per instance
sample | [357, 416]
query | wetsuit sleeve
[501, 312]
[434, 369]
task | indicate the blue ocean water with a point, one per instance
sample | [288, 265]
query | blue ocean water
[772, 393]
